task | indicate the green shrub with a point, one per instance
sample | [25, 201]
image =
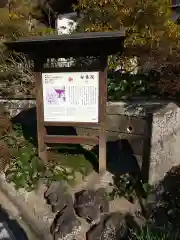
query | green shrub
[25, 171]
[25, 168]
[129, 85]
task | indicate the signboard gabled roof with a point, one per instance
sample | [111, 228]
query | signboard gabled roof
[76, 44]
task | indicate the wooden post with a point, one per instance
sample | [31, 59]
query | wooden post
[42, 149]
[102, 115]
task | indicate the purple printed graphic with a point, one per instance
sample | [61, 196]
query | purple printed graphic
[55, 96]
[61, 94]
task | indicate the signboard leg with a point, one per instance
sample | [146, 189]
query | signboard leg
[102, 150]
[42, 150]
[102, 117]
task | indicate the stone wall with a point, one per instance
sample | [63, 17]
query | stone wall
[15, 106]
[141, 135]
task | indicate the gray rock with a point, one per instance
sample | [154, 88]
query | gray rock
[5, 232]
[66, 225]
[58, 197]
[111, 226]
[90, 204]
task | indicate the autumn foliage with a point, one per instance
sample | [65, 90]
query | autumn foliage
[151, 34]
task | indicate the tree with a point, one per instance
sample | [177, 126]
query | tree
[18, 19]
[151, 35]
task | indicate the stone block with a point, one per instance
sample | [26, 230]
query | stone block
[161, 136]
[165, 141]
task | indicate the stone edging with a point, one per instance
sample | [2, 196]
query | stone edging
[36, 225]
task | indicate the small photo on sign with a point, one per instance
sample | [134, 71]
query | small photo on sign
[55, 95]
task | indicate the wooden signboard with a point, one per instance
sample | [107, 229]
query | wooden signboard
[75, 95]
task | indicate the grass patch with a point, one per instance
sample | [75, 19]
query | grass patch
[149, 233]
[71, 160]
[74, 157]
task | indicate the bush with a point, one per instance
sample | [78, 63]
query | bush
[149, 85]
[24, 168]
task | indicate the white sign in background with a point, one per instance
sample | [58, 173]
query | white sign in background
[71, 97]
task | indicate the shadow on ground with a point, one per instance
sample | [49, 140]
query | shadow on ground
[120, 157]
[13, 225]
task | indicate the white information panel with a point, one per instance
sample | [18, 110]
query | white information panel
[71, 97]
